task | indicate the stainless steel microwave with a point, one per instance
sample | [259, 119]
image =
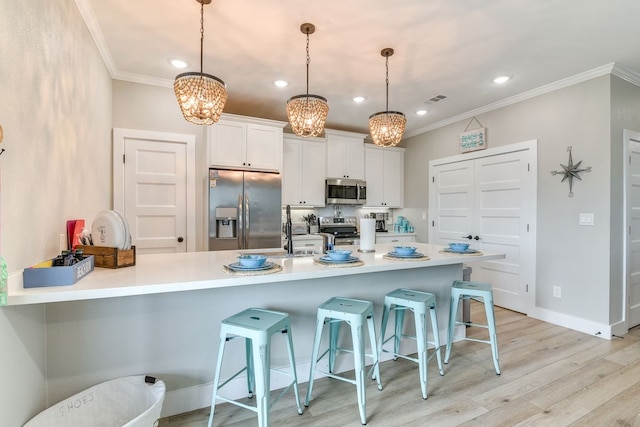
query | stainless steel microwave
[346, 191]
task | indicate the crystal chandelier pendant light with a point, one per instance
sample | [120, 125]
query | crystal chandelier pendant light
[201, 96]
[387, 127]
[307, 113]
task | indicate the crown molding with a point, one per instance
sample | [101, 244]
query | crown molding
[140, 78]
[611, 68]
[626, 74]
[89, 18]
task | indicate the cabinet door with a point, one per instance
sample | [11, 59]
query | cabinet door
[393, 182]
[335, 157]
[313, 173]
[308, 244]
[345, 157]
[374, 175]
[354, 158]
[291, 171]
[264, 147]
[395, 239]
[227, 144]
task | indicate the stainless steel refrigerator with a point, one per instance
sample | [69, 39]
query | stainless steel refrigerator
[245, 210]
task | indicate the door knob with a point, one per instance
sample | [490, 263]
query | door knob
[180, 239]
[468, 237]
[477, 238]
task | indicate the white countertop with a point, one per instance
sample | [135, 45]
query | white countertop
[161, 273]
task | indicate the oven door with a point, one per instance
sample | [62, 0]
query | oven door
[344, 191]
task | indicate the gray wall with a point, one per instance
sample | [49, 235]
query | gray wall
[572, 256]
[56, 115]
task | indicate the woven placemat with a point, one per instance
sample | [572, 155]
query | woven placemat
[395, 258]
[338, 264]
[275, 269]
[460, 253]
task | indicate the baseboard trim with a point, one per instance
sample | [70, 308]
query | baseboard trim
[581, 325]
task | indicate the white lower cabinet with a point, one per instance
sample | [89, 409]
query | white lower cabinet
[303, 172]
[395, 239]
[307, 242]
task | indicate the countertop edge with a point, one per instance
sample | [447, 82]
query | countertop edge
[199, 274]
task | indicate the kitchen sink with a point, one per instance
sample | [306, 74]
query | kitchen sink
[298, 253]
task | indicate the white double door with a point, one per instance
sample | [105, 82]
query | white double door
[489, 201]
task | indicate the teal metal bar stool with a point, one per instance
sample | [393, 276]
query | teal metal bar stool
[419, 303]
[256, 326]
[355, 313]
[481, 292]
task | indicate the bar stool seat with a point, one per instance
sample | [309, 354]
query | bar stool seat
[418, 302]
[481, 292]
[256, 326]
[355, 313]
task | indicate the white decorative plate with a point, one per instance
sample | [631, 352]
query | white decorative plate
[108, 230]
[127, 231]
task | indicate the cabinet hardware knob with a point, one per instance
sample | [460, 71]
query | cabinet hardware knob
[477, 238]
[468, 237]
[180, 239]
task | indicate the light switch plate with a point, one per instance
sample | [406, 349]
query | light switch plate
[586, 219]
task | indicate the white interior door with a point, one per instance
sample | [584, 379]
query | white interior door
[489, 202]
[157, 189]
[452, 201]
[632, 199]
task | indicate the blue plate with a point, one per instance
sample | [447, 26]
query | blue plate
[394, 254]
[325, 258]
[236, 266]
[466, 251]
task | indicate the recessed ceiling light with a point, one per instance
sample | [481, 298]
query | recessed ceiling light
[280, 83]
[501, 79]
[178, 63]
[421, 112]
[359, 99]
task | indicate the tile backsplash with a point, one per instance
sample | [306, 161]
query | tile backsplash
[358, 212]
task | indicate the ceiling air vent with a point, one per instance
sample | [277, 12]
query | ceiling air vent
[435, 99]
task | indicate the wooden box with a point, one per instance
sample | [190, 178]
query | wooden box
[110, 257]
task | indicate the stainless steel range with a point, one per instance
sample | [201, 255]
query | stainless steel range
[344, 229]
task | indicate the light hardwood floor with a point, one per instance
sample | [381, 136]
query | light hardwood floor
[551, 376]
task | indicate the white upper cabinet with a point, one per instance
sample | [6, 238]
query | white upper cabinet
[384, 173]
[245, 143]
[304, 173]
[345, 154]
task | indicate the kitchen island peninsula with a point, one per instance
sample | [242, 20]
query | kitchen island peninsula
[162, 316]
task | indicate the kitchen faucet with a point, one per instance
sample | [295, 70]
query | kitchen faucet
[287, 231]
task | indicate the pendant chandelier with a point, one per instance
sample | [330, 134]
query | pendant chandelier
[307, 113]
[201, 96]
[387, 127]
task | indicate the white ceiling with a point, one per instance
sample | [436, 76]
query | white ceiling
[449, 47]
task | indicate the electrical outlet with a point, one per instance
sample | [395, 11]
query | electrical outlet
[557, 291]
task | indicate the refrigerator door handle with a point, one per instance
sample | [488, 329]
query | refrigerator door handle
[247, 217]
[240, 222]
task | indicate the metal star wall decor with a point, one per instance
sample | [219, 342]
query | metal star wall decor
[571, 171]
